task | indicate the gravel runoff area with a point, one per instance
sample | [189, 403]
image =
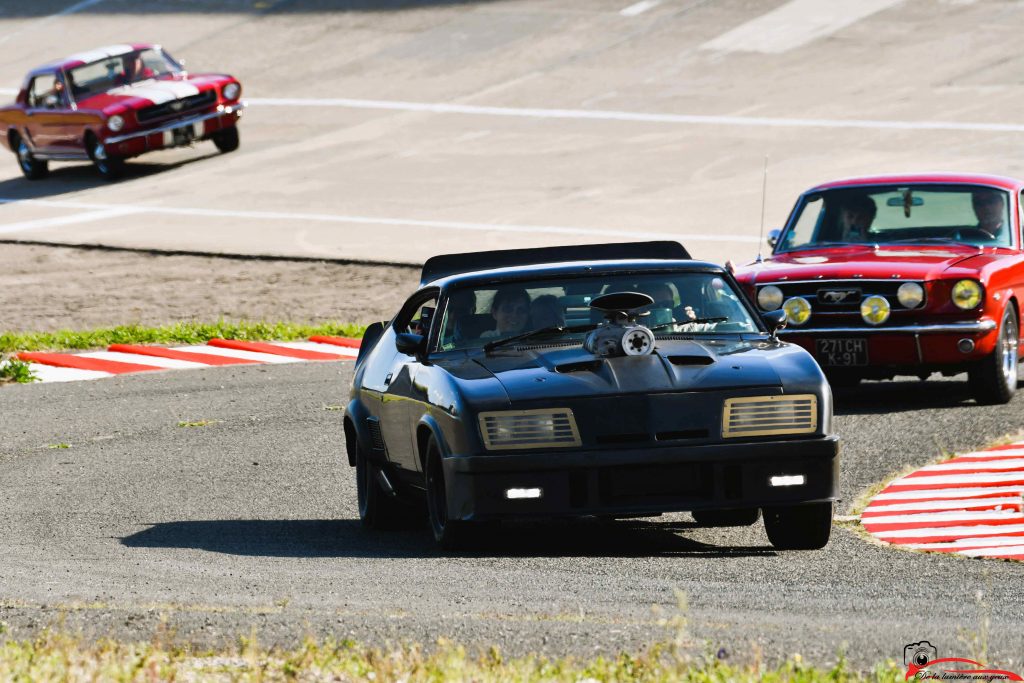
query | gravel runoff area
[46, 289]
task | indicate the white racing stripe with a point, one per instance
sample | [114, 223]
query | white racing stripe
[935, 505]
[234, 353]
[924, 518]
[944, 493]
[376, 220]
[99, 215]
[141, 359]
[157, 92]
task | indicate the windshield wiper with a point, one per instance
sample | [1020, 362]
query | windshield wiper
[943, 240]
[690, 321]
[815, 245]
[491, 345]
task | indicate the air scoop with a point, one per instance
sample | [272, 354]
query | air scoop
[620, 334]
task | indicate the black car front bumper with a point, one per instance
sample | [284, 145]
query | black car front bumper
[648, 481]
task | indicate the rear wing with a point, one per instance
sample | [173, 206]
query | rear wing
[438, 267]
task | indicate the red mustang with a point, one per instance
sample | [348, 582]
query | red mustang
[909, 274]
[114, 103]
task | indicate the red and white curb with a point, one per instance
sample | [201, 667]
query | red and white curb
[120, 359]
[970, 505]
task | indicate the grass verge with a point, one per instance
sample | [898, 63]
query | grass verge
[179, 333]
[63, 658]
[14, 370]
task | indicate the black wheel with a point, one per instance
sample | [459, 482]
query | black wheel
[109, 167]
[994, 379]
[226, 139]
[737, 517]
[450, 534]
[31, 168]
[377, 509]
[842, 379]
[799, 527]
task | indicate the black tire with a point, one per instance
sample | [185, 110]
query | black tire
[377, 509]
[31, 168]
[799, 527]
[226, 139]
[109, 167]
[450, 534]
[842, 379]
[736, 517]
[994, 379]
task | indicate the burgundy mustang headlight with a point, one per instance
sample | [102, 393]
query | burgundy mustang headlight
[115, 123]
[232, 91]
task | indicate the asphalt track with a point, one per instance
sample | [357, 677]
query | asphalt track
[250, 522]
[393, 131]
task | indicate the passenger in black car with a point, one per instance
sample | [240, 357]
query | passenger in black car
[511, 312]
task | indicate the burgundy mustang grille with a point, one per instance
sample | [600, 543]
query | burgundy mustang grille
[175, 107]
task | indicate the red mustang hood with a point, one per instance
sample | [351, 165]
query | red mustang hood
[146, 93]
[917, 262]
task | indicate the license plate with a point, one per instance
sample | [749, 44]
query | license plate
[183, 135]
[842, 351]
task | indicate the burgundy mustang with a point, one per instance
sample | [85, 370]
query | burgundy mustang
[909, 274]
[113, 103]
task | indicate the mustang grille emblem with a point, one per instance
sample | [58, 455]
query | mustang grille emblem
[837, 296]
[176, 105]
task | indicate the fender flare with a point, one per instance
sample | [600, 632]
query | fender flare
[356, 431]
[425, 428]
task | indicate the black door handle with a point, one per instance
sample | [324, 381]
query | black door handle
[387, 380]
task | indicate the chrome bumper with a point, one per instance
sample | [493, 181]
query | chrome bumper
[946, 328]
[222, 110]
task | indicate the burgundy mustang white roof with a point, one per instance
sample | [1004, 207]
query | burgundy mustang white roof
[80, 58]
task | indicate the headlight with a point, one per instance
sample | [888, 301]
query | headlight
[966, 294]
[769, 298]
[544, 428]
[115, 123]
[798, 311]
[875, 310]
[232, 91]
[910, 294]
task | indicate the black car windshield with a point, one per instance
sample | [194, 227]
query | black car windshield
[114, 72]
[926, 213]
[689, 303]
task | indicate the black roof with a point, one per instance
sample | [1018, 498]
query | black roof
[439, 267]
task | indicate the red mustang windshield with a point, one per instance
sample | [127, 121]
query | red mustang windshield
[909, 213]
[113, 72]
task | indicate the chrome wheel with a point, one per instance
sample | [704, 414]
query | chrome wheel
[25, 157]
[99, 156]
[31, 168]
[1008, 347]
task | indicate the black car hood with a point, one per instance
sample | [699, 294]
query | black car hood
[674, 366]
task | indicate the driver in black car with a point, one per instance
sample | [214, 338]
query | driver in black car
[990, 208]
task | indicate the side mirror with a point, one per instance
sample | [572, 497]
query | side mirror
[410, 344]
[774, 321]
[773, 237]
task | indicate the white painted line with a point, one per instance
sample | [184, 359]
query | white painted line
[639, 8]
[935, 505]
[1000, 464]
[639, 117]
[925, 518]
[140, 359]
[322, 348]
[976, 542]
[954, 531]
[795, 24]
[9, 91]
[99, 215]
[71, 9]
[954, 479]
[50, 373]
[373, 220]
[995, 552]
[235, 353]
[945, 493]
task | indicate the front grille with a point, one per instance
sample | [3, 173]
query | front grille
[770, 415]
[842, 296]
[176, 107]
[545, 428]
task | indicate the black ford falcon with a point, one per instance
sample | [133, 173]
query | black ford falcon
[607, 380]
